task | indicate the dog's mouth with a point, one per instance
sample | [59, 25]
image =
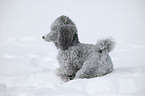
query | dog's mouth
[45, 37]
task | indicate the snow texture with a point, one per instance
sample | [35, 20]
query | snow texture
[27, 63]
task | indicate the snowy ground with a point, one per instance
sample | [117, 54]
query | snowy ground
[127, 81]
[27, 63]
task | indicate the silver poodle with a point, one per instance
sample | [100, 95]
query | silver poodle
[78, 60]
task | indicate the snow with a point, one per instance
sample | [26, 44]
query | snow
[28, 63]
[122, 82]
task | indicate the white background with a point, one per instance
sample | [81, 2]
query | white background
[24, 53]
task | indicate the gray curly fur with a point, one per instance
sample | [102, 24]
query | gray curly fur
[78, 60]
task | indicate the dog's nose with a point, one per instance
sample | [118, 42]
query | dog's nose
[43, 37]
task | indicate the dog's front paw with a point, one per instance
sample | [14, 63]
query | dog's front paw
[71, 77]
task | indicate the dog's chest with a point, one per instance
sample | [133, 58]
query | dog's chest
[70, 57]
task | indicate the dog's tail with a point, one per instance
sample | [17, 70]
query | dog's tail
[105, 45]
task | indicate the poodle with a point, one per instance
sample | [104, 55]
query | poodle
[78, 60]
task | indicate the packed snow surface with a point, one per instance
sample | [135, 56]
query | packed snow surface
[125, 81]
[28, 63]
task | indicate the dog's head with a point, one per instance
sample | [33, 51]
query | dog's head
[63, 33]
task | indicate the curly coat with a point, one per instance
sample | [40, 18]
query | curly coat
[78, 60]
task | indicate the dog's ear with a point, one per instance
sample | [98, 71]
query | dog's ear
[65, 37]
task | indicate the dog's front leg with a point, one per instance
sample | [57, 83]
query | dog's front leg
[66, 73]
